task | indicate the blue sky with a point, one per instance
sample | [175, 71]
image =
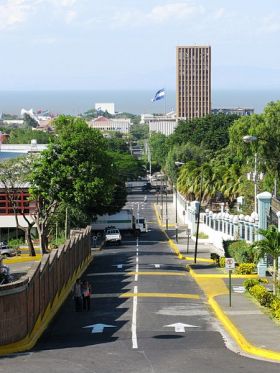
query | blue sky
[130, 44]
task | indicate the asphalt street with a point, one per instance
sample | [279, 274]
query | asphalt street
[147, 315]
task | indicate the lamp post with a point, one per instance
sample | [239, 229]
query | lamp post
[178, 164]
[256, 176]
[198, 218]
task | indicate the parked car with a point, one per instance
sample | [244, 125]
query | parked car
[7, 252]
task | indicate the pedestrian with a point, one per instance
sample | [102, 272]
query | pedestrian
[77, 291]
[86, 291]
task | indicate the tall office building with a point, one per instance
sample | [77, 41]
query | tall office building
[193, 81]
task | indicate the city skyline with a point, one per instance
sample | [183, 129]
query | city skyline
[70, 44]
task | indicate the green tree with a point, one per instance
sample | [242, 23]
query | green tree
[159, 148]
[139, 132]
[270, 245]
[210, 132]
[75, 170]
[25, 135]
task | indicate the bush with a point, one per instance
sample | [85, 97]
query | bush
[241, 251]
[245, 269]
[250, 282]
[16, 243]
[264, 297]
[222, 262]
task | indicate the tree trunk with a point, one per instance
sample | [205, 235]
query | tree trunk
[43, 239]
[30, 242]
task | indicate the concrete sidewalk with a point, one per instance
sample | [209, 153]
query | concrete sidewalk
[246, 321]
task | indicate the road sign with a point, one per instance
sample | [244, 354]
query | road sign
[230, 263]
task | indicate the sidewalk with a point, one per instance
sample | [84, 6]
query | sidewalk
[253, 331]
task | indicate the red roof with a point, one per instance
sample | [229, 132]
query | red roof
[101, 119]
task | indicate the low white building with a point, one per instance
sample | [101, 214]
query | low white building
[108, 125]
[159, 123]
[105, 106]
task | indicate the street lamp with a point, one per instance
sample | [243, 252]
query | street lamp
[198, 218]
[248, 139]
[178, 164]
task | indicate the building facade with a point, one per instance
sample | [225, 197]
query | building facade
[166, 126]
[237, 111]
[108, 125]
[193, 81]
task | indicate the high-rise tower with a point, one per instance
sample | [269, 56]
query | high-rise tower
[193, 81]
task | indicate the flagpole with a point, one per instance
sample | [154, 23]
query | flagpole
[165, 104]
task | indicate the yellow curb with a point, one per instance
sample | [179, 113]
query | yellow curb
[44, 319]
[199, 259]
[23, 259]
[217, 287]
[239, 338]
[158, 273]
[195, 275]
[160, 295]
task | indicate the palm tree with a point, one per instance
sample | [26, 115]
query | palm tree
[270, 245]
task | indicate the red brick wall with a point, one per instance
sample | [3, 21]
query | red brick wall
[23, 301]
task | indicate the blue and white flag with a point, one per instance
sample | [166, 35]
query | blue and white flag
[159, 95]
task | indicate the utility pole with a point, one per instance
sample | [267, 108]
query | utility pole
[198, 218]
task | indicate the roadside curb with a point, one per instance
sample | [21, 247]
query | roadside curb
[238, 337]
[242, 342]
[22, 259]
[44, 319]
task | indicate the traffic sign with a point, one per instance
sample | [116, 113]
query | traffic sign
[229, 263]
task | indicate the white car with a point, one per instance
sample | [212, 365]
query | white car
[113, 235]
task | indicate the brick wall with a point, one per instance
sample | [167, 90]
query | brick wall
[22, 302]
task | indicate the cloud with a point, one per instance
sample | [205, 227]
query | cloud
[220, 13]
[271, 24]
[180, 10]
[158, 14]
[13, 13]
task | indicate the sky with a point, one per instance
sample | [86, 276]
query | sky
[131, 44]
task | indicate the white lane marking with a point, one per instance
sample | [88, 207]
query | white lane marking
[157, 265]
[137, 258]
[134, 318]
[136, 274]
[180, 327]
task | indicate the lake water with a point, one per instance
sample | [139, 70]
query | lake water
[75, 102]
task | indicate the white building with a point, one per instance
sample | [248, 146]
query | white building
[108, 125]
[109, 107]
[164, 124]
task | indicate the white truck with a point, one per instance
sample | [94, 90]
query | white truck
[123, 220]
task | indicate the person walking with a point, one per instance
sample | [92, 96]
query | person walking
[77, 290]
[86, 291]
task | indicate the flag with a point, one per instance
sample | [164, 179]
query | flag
[159, 95]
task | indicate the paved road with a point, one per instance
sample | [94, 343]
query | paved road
[138, 337]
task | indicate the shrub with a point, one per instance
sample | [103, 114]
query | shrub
[250, 282]
[241, 251]
[245, 269]
[222, 262]
[259, 292]
[275, 304]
